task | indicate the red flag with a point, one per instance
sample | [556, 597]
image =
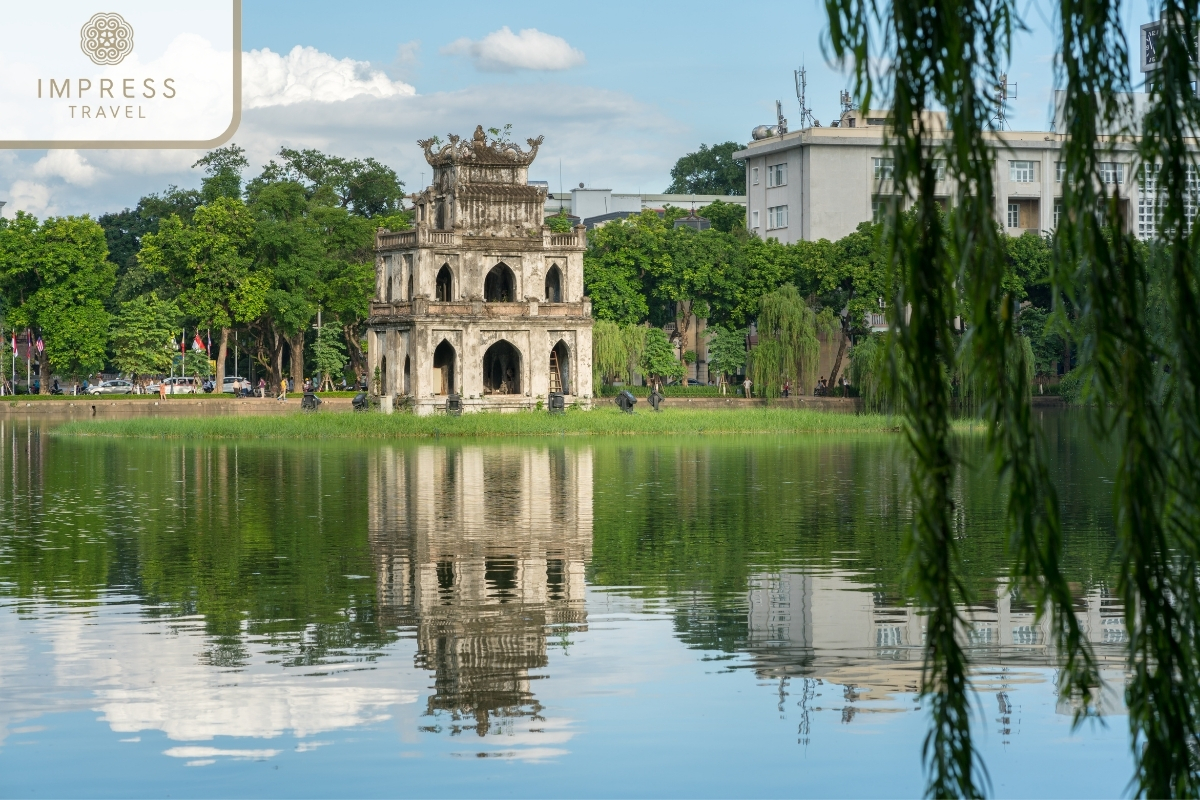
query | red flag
[198, 344]
[40, 346]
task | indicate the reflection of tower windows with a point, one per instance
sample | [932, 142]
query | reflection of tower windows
[487, 570]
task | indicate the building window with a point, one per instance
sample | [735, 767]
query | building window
[939, 168]
[1060, 169]
[777, 175]
[1112, 172]
[1020, 172]
[754, 220]
[776, 217]
[880, 206]
[877, 120]
[754, 175]
[1058, 212]
[1014, 215]
[884, 168]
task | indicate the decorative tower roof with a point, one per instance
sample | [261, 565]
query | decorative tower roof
[480, 151]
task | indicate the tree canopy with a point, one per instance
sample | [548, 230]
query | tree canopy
[709, 170]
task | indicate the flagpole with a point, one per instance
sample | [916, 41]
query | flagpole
[28, 382]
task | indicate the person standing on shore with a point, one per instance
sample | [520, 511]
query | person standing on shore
[746, 384]
[262, 388]
[787, 387]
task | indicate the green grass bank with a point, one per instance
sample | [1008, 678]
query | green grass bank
[600, 422]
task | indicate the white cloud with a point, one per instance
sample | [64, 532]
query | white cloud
[33, 198]
[66, 164]
[601, 136]
[269, 79]
[505, 51]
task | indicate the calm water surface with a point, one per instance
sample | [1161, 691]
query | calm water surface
[710, 616]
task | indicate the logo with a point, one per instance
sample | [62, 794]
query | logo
[106, 39]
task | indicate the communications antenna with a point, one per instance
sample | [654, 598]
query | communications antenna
[1005, 91]
[847, 102]
[781, 122]
[806, 116]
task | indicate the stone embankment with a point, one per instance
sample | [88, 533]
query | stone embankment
[81, 407]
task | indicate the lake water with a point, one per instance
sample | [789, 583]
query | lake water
[708, 616]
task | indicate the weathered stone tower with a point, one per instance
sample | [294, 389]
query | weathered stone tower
[480, 299]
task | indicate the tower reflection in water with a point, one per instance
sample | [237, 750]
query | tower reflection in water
[482, 550]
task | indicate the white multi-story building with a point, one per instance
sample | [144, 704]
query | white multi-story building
[593, 205]
[820, 183]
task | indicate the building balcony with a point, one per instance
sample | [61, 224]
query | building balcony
[420, 307]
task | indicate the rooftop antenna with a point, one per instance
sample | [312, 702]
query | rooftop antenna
[1005, 91]
[781, 124]
[806, 116]
[846, 101]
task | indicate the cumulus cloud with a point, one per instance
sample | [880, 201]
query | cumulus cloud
[30, 197]
[505, 51]
[66, 164]
[638, 145]
[270, 79]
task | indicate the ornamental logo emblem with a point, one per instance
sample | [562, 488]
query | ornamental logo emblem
[106, 39]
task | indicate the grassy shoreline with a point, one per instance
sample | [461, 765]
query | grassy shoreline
[600, 422]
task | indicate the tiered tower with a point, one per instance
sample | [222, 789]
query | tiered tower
[480, 300]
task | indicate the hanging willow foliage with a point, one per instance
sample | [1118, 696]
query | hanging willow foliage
[616, 351]
[788, 348]
[949, 54]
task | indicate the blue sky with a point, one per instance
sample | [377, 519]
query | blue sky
[619, 90]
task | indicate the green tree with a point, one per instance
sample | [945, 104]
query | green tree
[124, 231]
[709, 170]
[210, 264]
[55, 276]
[222, 173]
[849, 277]
[329, 355]
[658, 360]
[787, 348]
[725, 217]
[559, 223]
[142, 335]
[363, 187]
[726, 351]
[618, 257]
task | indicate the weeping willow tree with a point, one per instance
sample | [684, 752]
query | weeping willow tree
[868, 364]
[616, 351]
[949, 54]
[788, 348]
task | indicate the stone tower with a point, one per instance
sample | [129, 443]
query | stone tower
[480, 299]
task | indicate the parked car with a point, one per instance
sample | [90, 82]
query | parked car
[112, 387]
[228, 385]
[174, 386]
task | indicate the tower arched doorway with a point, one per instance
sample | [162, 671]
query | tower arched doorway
[560, 368]
[407, 377]
[500, 285]
[554, 285]
[383, 382]
[502, 369]
[444, 292]
[444, 359]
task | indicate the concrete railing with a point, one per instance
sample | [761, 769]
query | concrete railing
[387, 240]
[478, 308]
